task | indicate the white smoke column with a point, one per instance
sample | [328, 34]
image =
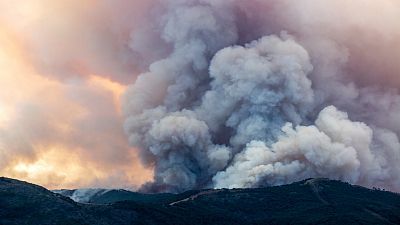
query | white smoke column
[233, 100]
[335, 147]
[173, 139]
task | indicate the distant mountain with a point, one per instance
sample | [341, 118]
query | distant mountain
[85, 195]
[108, 196]
[313, 201]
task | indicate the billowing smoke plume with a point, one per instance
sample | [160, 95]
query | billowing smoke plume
[231, 93]
[265, 92]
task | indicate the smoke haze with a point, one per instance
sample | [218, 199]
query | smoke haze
[217, 93]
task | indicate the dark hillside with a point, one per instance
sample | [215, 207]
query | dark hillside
[313, 201]
[24, 203]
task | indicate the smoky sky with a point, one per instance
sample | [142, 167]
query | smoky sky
[219, 93]
[255, 93]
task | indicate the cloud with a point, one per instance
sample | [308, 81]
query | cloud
[62, 134]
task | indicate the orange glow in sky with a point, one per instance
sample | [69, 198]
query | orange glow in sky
[48, 130]
[64, 67]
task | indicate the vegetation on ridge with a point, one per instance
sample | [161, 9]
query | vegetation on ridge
[313, 201]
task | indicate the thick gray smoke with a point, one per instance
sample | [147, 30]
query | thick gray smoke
[266, 92]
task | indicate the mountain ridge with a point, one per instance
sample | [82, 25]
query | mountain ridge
[312, 201]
